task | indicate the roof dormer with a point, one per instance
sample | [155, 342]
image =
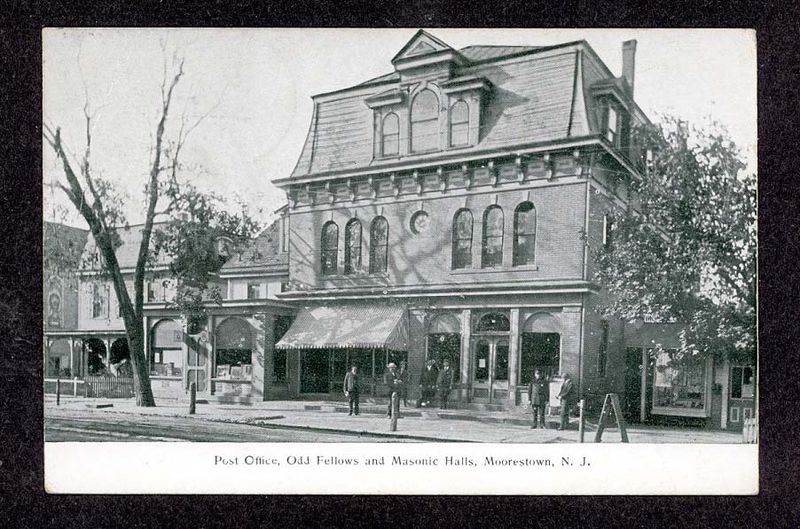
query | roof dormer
[425, 55]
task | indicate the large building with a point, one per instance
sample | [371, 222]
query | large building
[449, 209]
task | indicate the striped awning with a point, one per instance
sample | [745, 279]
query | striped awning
[348, 326]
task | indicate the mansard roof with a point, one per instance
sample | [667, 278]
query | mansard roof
[535, 97]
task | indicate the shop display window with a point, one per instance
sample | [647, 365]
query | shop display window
[680, 383]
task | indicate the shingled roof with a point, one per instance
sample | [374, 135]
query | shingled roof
[535, 97]
[264, 253]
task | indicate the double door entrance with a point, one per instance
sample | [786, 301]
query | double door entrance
[489, 369]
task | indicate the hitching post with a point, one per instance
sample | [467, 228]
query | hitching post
[395, 412]
[192, 397]
[58, 390]
[580, 420]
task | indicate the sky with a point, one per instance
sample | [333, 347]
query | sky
[255, 86]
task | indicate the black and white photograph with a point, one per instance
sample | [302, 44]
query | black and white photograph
[436, 260]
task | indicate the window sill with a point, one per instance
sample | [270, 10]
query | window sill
[497, 270]
[165, 377]
[232, 380]
[361, 275]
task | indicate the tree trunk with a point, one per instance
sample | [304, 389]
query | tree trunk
[139, 364]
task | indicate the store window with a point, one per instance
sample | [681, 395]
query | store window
[444, 342]
[742, 382]
[425, 122]
[492, 254]
[540, 347]
[234, 350]
[352, 247]
[524, 234]
[459, 124]
[378, 245]
[462, 239]
[679, 382]
[166, 349]
[330, 248]
[390, 143]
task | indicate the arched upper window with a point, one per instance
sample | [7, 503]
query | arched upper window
[330, 248]
[492, 254]
[459, 124]
[352, 247]
[524, 234]
[390, 143]
[378, 245]
[425, 122]
[493, 322]
[462, 239]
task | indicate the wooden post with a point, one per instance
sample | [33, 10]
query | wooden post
[75, 386]
[58, 390]
[192, 397]
[580, 420]
[395, 412]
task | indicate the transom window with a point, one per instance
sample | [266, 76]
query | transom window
[378, 245]
[524, 234]
[459, 124]
[425, 122]
[352, 247]
[390, 143]
[330, 248]
[493, 322]
[462, 239]
[492, 255]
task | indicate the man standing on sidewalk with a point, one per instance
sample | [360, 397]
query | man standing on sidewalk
[427, 383]
[567, 396]
[393, 382]
[444, 384]
[537, 396]
[351, 389]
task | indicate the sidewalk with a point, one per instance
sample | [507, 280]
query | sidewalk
[414, 424]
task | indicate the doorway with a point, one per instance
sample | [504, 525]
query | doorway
[490, 371]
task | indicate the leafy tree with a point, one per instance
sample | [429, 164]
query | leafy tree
[685, 251]
[184, 229]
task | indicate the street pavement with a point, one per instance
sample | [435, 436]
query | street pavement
[303, 421]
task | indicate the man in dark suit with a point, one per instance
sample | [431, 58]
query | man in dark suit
[351, 388]
[393, 382]
[537, 395]
[427, 383]
[567, 395]
[444, 383]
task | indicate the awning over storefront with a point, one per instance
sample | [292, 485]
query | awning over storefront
[349, 326]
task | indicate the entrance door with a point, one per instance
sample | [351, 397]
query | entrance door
[314, 371]
[490, 369]
[197, 364]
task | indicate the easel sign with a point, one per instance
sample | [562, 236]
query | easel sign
[611, 402]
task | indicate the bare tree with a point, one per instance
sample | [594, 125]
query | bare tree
[103, 210]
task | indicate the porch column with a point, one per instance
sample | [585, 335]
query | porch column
[107, 342]
[264, 368]
[643, 396]
[71, 359]
[466, 330]
[513, 358]
[726, 377]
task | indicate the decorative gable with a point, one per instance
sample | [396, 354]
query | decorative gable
[422, 43]
[425, 55]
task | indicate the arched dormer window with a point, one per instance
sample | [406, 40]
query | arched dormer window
[459, 124]
[352, 247]
[492, 254]
[524, 234]
[390, 140]
[425, 122]
[378, 245]
[462, 239]
[330, 248]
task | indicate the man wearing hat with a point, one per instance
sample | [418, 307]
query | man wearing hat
[427, 383]
[393, 382]
[405, 379]
[444, 383]
[567, 395]
[537, 396]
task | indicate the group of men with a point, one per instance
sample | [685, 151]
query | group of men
[431, 381]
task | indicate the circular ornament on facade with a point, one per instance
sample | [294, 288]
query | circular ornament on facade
[420, 222]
